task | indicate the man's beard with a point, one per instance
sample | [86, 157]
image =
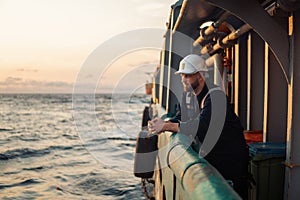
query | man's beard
[191, 87]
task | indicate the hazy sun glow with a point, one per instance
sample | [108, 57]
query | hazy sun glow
[45, 42]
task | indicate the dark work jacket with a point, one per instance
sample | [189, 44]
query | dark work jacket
[229, 155]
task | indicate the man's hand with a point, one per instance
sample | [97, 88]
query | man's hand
[156, 125]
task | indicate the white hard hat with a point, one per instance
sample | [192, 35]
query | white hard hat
[191, 64]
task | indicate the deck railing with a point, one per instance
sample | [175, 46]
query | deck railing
[183, 174]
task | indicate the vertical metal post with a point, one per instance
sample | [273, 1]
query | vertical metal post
[153, 94]
[266, 93]
[293, 125]
[257, 81]
[161, 78]
[249, 81]
[218, 71]
[236, 79]
[232, 75]
[240, 77]
[170, 62]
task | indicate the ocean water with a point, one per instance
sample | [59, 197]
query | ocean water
[53, 146]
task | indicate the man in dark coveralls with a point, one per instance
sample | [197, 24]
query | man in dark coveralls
[228, 152]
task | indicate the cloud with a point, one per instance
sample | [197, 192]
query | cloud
[17, 84]
[143, 64]
[27, 70]
[11, 80]
[57, 84]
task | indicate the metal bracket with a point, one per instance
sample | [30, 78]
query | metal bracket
[291, 165]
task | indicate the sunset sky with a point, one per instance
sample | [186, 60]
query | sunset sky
[44, 43]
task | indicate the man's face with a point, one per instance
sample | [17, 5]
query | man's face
[190, 81]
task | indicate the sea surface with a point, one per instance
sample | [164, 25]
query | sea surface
[59, 146]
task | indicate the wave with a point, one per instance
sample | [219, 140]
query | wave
[22, 183]
[23, 153]
[35, 168]
[67, 191]
[41, 144]
[29, 153]
[97, 185]
[6, 129]
[127, 145]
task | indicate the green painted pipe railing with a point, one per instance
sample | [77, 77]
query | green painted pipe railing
[194, 175]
